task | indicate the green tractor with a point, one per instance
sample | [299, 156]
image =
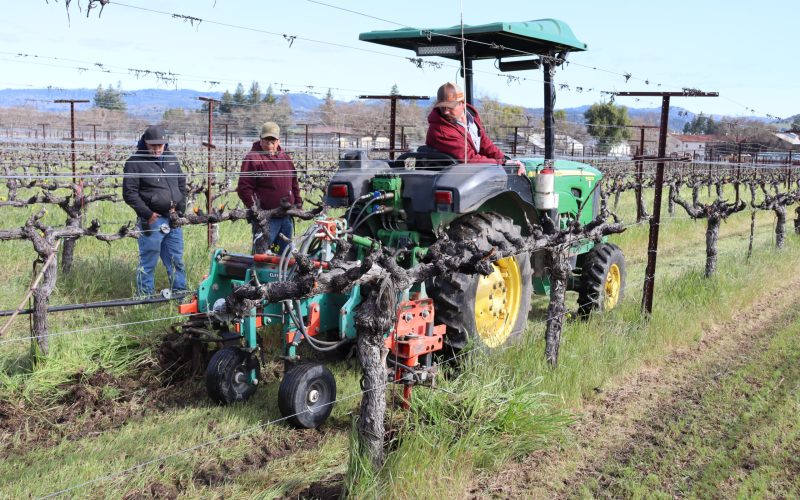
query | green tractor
[407, 204]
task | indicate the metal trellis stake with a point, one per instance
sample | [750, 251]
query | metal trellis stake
[655, 221]
[210, 145]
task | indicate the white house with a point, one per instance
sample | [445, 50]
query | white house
[791, 140]
[620, 149]
[368, 142]
[692, 146]
[564, 144]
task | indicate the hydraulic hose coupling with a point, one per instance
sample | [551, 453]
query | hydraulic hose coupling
[381, 209]
[376, 195]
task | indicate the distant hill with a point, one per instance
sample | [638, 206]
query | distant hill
[678, 116]
[145, 103]
[150, 104]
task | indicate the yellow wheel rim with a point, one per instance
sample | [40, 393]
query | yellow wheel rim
[497, 302]
[612, 288]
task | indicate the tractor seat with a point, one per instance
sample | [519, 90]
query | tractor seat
[424, 158]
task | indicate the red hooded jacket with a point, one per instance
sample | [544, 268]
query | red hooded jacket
[447, 137]
[279, 182]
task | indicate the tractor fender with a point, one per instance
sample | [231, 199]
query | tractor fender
[472, 186]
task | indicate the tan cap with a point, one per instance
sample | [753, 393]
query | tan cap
[270, 129]
[449, 95]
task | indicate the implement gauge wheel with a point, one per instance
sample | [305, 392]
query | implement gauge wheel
[306, 395]
[602, 279]
[489, 310]
[228, 376]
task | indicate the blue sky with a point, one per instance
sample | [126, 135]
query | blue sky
[743, 50]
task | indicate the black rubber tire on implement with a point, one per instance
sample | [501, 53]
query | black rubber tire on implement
[455, 295]
[227, 376]
[596, 283]
[306, 395]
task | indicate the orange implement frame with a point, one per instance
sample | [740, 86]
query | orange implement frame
[414, 336]
[312, 328]
[190, 308]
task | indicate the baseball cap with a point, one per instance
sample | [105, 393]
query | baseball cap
[270, 129]
[449, 95]
[154, 135]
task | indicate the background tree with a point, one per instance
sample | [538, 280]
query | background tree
[226, 106]
[269, 97]
[254, 95]
[109, 98]
[239, 98]
[498, 117]
[702, 124]
[327, 111]
[605, 122]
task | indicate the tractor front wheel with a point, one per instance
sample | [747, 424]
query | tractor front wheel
[490, 310]
[602, 279]
[228, 376]
[306, 395]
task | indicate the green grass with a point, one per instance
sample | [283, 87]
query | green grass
[491, 411]
[739, 436]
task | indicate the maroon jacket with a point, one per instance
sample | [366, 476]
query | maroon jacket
[279, 182]
[448, 138]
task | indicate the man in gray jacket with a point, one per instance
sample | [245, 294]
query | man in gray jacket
[154, 186]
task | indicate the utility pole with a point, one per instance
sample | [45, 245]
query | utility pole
[393, 113]
[209, 145]
[655, 221]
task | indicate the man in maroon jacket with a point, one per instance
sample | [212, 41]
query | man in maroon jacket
[455, 128]
[267, 177]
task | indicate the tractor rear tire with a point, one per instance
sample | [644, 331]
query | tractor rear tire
[602, 279]
[306, 395]
[488, 310]
[228, 376]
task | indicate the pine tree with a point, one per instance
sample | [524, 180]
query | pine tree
[328, 109]
[239, 98]
[100, 97]
[270, 98]
[226, 104]
[109, 98]
[254, 96]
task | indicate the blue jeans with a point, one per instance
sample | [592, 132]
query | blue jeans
[280, 225]
[153, 243]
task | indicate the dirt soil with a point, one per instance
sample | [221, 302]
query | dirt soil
[263, 450]
[630, 415]
[91, 404]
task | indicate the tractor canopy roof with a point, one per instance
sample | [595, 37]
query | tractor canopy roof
[485, 41]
